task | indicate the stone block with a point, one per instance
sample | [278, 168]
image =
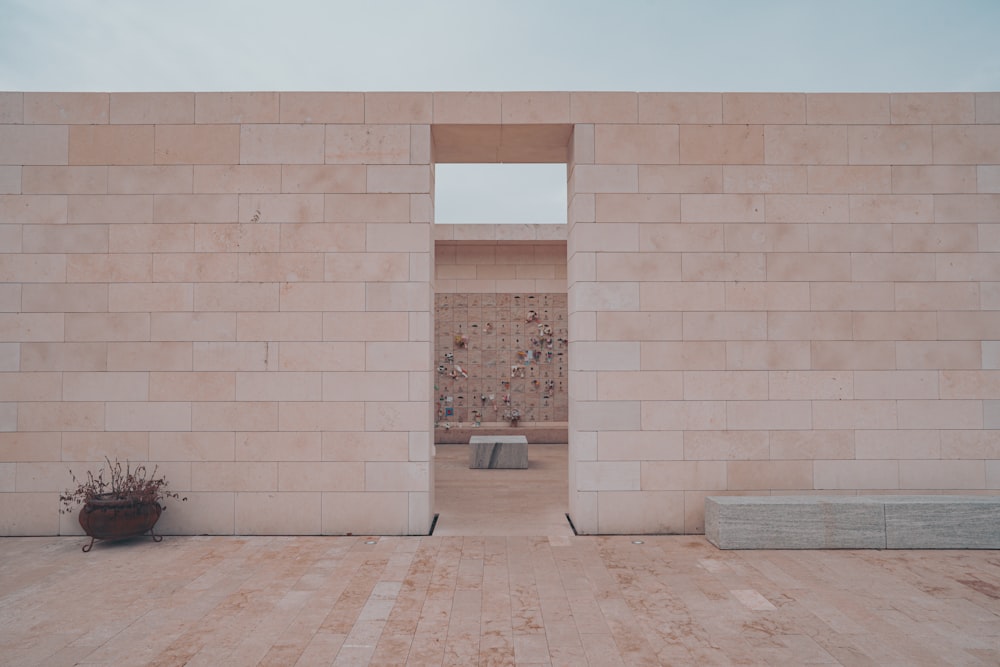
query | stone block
[853, 522]
[794, 522]
[942, 522]
[111, 144]
[498, 451]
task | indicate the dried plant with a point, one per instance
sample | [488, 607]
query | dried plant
[129, 484]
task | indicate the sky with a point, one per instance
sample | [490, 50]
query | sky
[499, 45]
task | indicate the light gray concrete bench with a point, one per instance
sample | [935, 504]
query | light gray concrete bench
[853, 522]
[498, 451]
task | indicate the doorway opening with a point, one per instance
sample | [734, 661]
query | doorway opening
[501, 356]
[500, 322]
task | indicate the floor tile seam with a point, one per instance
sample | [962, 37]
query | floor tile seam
[431, 621]
[621, 628]
[201, 631]
[489, 603]
[899, 633]
[444, 565]
[495, 579]
[422, 567]
[353, 597]
[303, 634]
[175, 641]
[909, 647]
[830, 647]
[252, 644]
[420, 571]
[45, 655]
[267, 627]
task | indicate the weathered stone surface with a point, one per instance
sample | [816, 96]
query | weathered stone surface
[498, 451]
[853, 522]
[943, 522]
[794, 522]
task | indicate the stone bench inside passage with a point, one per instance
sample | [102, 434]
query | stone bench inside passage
[498, 451]
[853, 522]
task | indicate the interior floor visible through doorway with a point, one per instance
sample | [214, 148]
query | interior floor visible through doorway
[478, 502]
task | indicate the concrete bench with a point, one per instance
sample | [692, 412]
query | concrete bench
[498, 451]
[853, 522]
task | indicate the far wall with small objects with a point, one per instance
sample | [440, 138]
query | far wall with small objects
[501, 358]
[500, 327]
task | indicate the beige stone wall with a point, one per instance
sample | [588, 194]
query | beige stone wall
[767, 293]
[525, 258]
[781, 293]
[234, 287]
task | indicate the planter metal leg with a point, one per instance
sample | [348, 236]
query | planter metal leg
[88, 547]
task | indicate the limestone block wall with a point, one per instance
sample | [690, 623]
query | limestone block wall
[781, 293]
[233, 287]
[766, 293]
[525, 258]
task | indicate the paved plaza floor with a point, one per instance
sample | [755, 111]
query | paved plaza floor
[480, 598]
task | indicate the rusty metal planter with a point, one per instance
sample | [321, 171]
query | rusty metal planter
[108, 518]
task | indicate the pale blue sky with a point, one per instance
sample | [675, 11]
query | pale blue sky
[644, 45]
[704, 45]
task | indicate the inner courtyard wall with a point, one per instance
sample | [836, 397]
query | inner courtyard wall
[766, 293]
[506, 299]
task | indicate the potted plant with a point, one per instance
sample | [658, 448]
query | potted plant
[126, 504]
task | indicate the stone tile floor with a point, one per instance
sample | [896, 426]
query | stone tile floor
[547, 599]
[533, 501]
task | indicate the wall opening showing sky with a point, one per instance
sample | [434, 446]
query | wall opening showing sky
[500, 193]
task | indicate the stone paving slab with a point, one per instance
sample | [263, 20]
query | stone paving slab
[650, 600]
